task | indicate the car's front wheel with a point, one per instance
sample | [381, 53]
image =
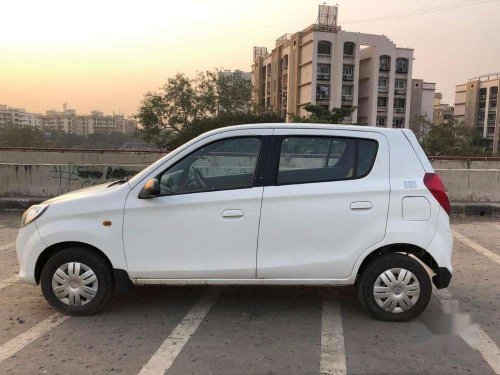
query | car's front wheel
[77, 281]
[394, 287]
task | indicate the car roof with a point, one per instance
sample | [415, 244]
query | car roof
[283, 125]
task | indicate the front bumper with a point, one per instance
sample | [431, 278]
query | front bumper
[29, 246]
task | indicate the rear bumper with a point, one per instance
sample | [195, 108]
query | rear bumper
[442, 278]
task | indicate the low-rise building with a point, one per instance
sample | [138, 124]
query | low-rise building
[97, 122]
[15, 117]
[476, 104]
[443, 113]
[327, 66]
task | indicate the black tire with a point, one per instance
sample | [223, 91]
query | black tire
[378, 266]
[94, 261]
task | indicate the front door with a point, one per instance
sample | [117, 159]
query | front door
[205, 223]
[327, 203]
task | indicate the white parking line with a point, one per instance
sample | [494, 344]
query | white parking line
[7, 246]
[13, 346]
[480, 249]
[486, 346]
[11, 280]
[332, 359]
[168, 351]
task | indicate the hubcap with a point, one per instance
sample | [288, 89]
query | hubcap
[396, 290]
[75, 284]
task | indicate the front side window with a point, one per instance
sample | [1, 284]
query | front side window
[222, 165]
[317, 159]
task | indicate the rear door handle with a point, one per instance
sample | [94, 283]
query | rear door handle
[361, 205]
[232, 213]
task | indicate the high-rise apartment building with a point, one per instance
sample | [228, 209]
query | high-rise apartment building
[476, 104]
[421, 103]
[327, 66]
[15, 117]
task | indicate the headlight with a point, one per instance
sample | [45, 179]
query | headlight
[33, 212]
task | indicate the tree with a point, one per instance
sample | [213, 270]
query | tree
[13, 136]
[453, 138]
[183, 102]
[322, 115]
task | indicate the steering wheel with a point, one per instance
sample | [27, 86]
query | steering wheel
[198, 179]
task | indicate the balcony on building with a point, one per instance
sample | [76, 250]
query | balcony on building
[324, 48]
[323, 72]
[322, 92]
[401, 65]
[385, 63]
[348, 72]
[349, 48]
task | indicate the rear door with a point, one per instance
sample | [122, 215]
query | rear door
[325, 202]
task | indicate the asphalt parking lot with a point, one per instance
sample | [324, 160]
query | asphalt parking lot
[258, 330]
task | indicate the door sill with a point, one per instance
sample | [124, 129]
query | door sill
[243, 281]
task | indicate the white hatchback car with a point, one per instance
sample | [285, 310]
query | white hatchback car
[290, 204]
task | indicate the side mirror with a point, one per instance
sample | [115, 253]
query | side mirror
[151, 189]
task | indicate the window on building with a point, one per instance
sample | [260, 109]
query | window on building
[321, 159]
[324, 48]
[268, 70]
[491, 119]
[323, 72]
[381, 121]
[398, 122]
[399, 105]
[383, 83]
[347, 92]
[382, 102]
[385, 63]
[493, 92]
[482, 93]
[284, 63]
[348, 49]
[400, 84]
[401, 65]
[348, 72]
[322, 92]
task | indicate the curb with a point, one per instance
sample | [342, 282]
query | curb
[458, 209]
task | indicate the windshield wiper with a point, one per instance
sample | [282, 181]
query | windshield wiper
[119, 182]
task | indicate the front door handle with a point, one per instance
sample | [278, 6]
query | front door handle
[361, 205]
[232, 213]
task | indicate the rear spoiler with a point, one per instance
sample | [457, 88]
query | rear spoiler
[418, 150]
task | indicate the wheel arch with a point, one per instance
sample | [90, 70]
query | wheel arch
[421, 254]
[57, 247]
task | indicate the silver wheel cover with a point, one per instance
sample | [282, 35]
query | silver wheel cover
[74, 284]
[396, 290]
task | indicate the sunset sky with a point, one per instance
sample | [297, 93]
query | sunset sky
[107, 54]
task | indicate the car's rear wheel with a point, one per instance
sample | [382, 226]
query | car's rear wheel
[77, 281]
[394, 287]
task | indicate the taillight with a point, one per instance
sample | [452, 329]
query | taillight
[435, 185]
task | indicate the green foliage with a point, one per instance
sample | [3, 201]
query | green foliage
[320, 115]
[31, 137]
[201, 126]
[12, 136]
[453, 138]
[183, 106]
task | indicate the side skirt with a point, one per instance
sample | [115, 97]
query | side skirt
[243, 281]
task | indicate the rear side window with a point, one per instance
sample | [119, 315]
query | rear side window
[317, 159]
